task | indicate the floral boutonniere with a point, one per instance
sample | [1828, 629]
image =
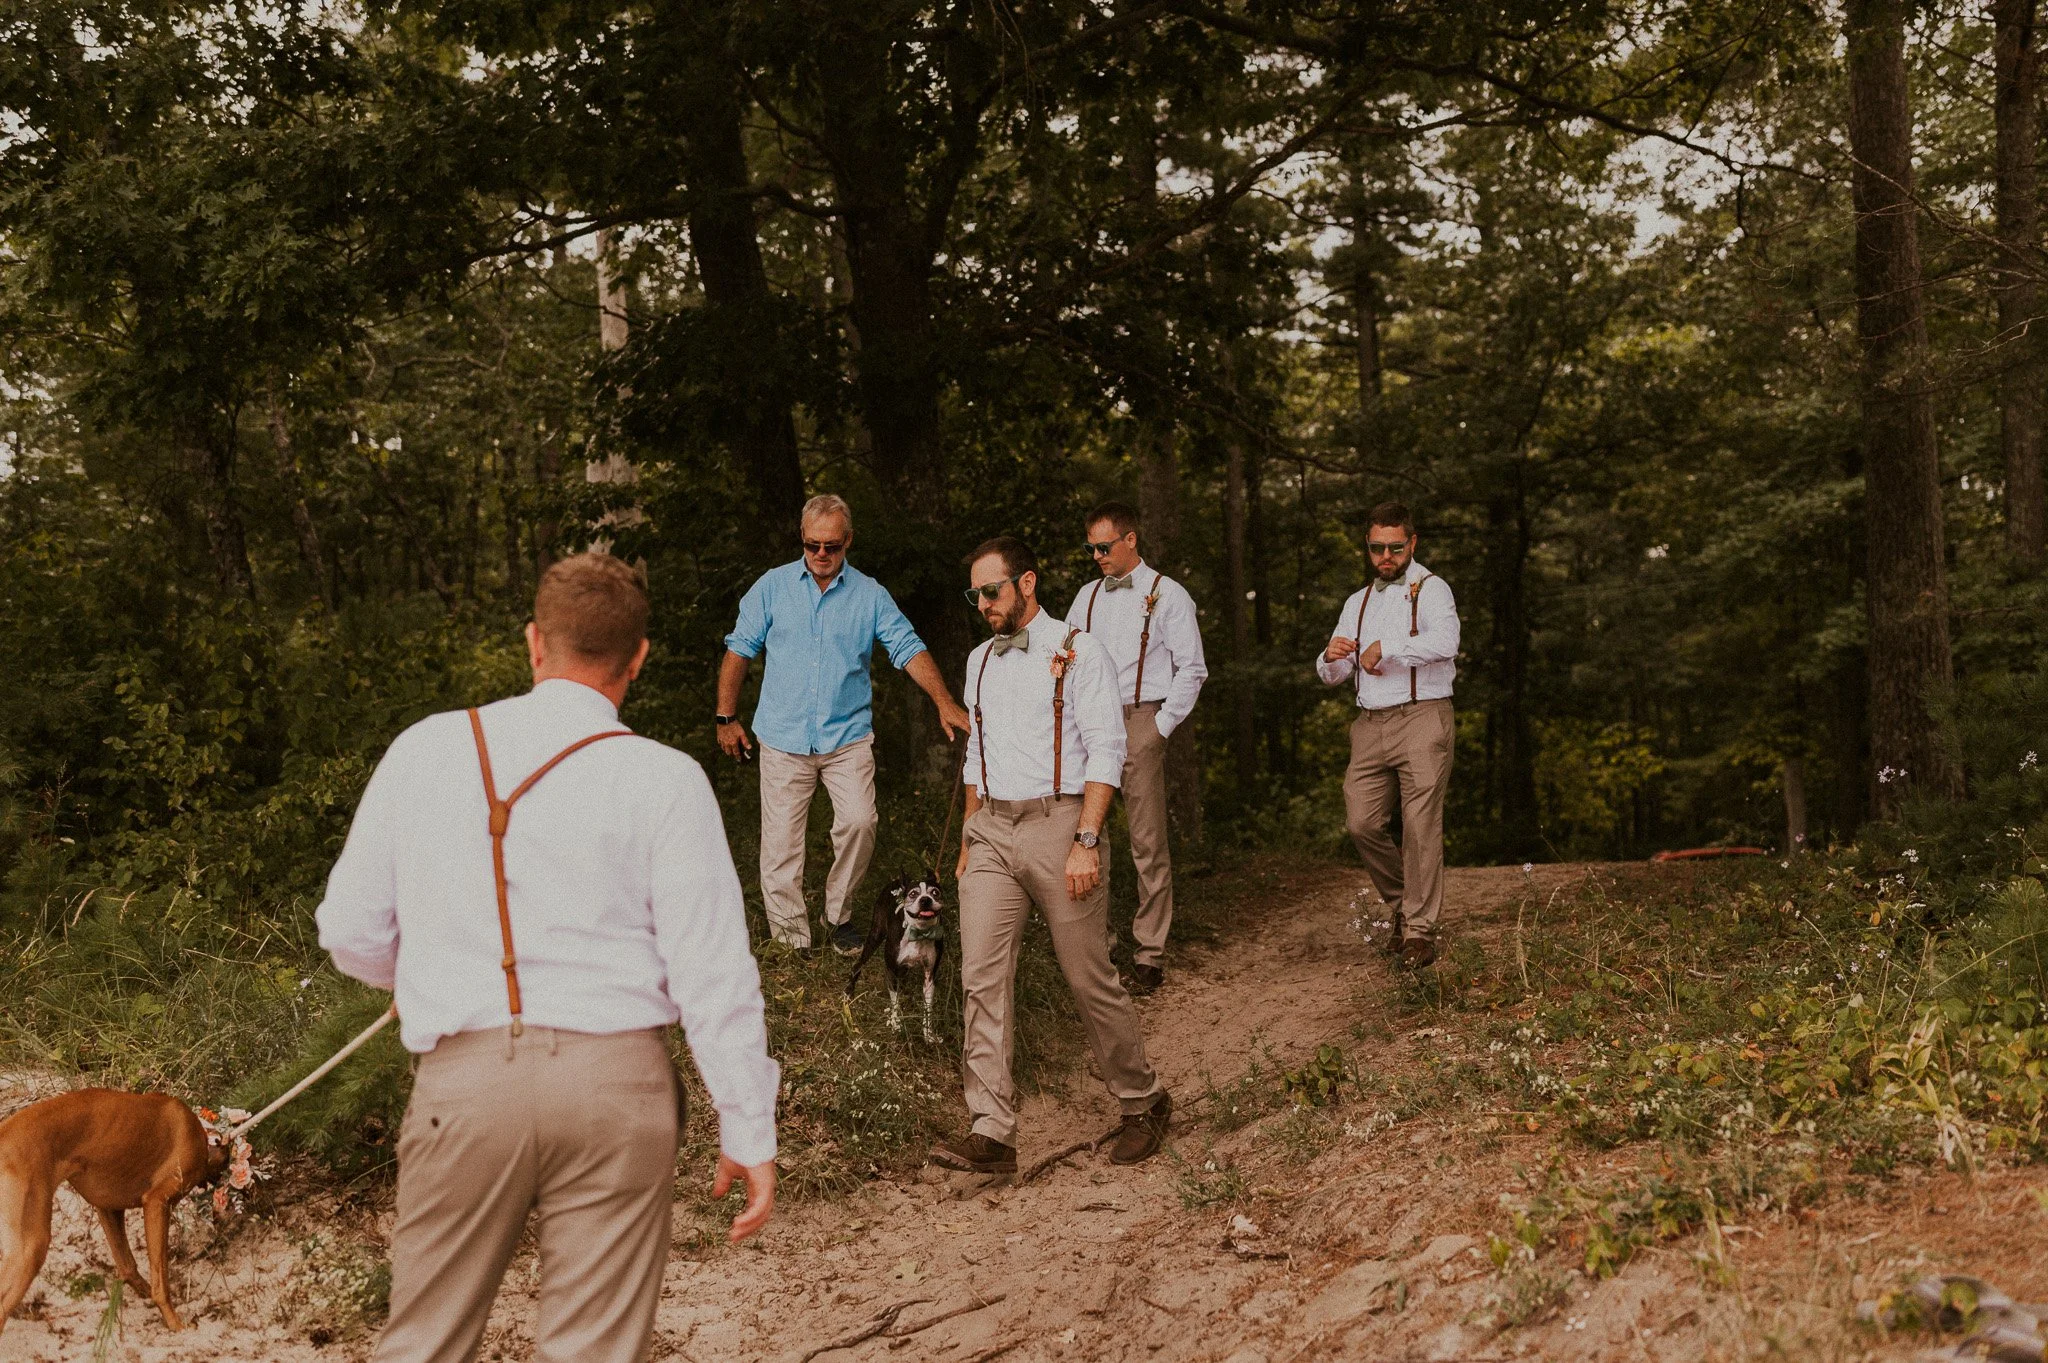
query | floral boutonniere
[242, 1171]
[1152, 601]
[1063, 656]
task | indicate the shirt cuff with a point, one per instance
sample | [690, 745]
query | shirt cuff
[746, 1140]
[1165, 723]
[1333, 672]
[741, 648]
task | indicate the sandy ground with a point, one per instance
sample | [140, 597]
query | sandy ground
[1371, 1248]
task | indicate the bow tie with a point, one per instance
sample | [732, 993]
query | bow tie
[1003, 643]
[1381, 584]
[1117, 584]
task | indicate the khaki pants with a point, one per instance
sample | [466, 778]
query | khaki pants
[1017, 857]
[1404, 751]
[579, 1127]
[788, 780]
[1144, 792]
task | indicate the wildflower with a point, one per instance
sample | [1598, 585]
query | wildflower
[2030, 761]
[1912, 856]
[1887, 775]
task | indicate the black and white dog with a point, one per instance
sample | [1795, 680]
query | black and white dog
[908, 931]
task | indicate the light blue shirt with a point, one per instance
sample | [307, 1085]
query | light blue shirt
[816, 696]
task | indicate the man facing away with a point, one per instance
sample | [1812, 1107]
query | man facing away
[1045, 749]
[1396, 642]
[1146, 622]
[542, 905]
[819, 619]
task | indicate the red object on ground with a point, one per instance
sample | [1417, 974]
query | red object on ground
[1700, 853]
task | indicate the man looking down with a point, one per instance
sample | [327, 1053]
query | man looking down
[1396, 641]
[1045, 749]
[538, 935]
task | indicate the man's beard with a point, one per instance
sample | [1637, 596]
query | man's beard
[1003, 622]
[1390, 571]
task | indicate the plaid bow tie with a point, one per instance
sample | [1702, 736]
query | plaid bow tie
[1005, 642]
[1116, 584]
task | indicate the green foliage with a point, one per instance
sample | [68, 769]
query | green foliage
[1318, 1082]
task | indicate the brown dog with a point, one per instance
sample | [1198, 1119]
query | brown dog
[117, 1150]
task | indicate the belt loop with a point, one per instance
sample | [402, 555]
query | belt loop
[554, 1041]
[511, 1048]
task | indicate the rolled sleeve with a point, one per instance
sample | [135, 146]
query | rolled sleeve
[358, 918]
[700, 930]
[1335, 673]
[750, 632]
[1098, 712]
[893, 630]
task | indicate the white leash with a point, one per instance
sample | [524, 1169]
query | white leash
[295, 1090]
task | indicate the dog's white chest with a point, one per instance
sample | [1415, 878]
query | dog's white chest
[916, 953]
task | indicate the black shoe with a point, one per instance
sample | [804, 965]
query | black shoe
[976, 1154]
[1142, 1134]
[1418, 953]
[847, 939]
[1146, 978]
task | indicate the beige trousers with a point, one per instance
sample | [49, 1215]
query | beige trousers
[1144, 792]
[578, 1127]
[1404, 752]
[1016, 859]
[788, 780]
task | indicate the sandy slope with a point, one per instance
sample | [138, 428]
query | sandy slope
[1372, 1248]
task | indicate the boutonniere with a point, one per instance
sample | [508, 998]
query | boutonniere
[1151, 601]
[1063, 656]
[242, 1172]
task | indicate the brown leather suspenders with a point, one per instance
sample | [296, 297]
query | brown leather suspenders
[1358, 634]
[1144, 634]
[501, 818]
[1059, 707]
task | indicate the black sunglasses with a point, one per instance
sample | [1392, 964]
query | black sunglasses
[826, 547]
[1103, 550]
[988, 591]
[1385, 550]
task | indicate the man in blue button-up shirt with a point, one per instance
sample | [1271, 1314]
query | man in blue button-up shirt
[819, 619]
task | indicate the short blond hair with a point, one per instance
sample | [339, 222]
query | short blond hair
[594, 607]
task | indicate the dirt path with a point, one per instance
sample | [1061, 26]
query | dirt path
[1370, 1239]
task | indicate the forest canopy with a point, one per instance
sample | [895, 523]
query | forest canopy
[1701, 337]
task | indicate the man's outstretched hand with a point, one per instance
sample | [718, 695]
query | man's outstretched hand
[952, 717]
[760, 1181]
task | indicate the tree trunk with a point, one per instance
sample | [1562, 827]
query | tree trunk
[1159, 512]
[1792, 779]
[613, 330]
[724, 239]
[1366, 320]
[1514, 745]
[2015, 277]
[213, 459]
[295, 490]
[1258, 584]
[1907, 592]
[508, 502]
[1244, 732]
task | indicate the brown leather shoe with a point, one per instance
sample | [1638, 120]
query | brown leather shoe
[1392, 946]
[976, 1154]
[1418, 953]
[1142, 1133]
[1146, 978]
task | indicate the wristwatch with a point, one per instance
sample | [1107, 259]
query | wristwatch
[1087, 837]
[724, 720]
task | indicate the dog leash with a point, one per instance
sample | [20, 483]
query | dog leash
[937, 863]
[362, 1038]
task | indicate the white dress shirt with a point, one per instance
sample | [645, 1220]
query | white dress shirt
[1432, 653]
[1014, 697]
[626, 910]
[1174, 668]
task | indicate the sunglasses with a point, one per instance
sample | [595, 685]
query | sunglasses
[1386, 550]
[825, 547]
[988, 591]
[1103, 550]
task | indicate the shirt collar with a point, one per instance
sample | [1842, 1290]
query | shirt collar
[1045, 630]
[575, 696]
[804, 578]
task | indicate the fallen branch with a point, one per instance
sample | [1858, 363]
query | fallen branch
[1076, 1148]
[924, 1325]
[996, 1350]
[883, 1319]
